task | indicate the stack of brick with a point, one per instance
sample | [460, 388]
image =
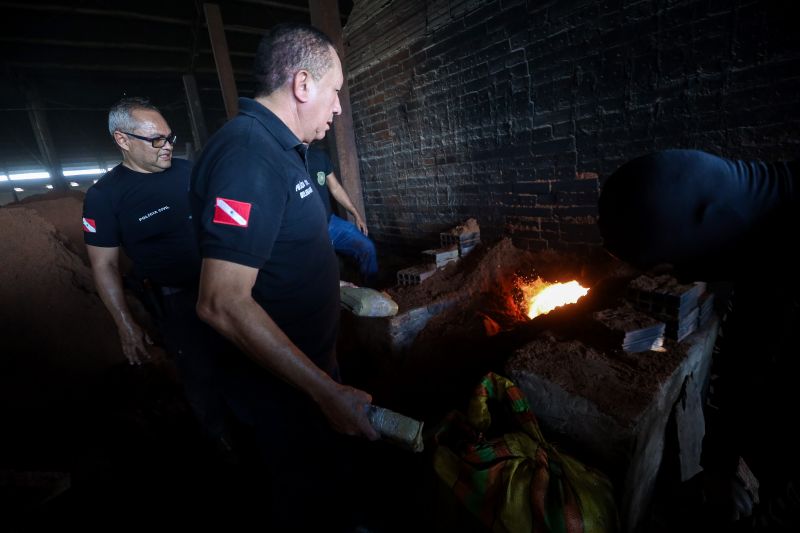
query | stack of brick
[455, 244]
[442, 256]
[465, 242]
[465, 236]
[415, 275]
[677, 305]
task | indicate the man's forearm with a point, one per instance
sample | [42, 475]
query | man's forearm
[348, 205]
[340, 195]
[109, 286]
[226, 303]
[247, 325]
[105, 269]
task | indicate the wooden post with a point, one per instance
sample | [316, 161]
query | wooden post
[47, 149]
[199, 132]
[216, 32]
[325, 16]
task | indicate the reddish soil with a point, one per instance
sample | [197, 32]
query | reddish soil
[53, 324]
[63, 210]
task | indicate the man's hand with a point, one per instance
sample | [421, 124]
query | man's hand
[135, 344]
[105, 269]
[342, 197]
[362, 227]
[346, 410]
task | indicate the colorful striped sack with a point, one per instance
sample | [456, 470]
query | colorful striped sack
[500, 467]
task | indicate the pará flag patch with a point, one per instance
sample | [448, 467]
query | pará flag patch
[231, 212]
[89, 225]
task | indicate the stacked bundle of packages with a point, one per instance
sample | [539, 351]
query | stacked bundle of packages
[632, 330]
[677, 304]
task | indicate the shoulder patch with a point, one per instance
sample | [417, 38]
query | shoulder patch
[321, 178]
[231, 212]
[89, 225]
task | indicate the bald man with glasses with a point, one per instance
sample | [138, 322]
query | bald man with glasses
[142, 207]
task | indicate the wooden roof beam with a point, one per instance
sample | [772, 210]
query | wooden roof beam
[324, 17]
[236, 28]
[120, 46]
[175, 69]
[222, 59]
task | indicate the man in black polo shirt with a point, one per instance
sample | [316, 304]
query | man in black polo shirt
[347, 238]
[142, 205]
[270, 278]
[736, 221]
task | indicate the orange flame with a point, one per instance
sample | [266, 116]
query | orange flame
[542, 297]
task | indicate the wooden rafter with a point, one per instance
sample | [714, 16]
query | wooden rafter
[105, 45]
[128, 15]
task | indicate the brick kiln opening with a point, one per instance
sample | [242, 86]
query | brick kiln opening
[540, 297]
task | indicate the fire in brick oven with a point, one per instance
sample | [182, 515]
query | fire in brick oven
[539, 297]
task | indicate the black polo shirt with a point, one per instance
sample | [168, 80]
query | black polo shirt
[319, 166]
[147, 214]
[254, 205]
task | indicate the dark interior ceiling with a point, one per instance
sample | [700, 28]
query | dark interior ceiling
[77, 57]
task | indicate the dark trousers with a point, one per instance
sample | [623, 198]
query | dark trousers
[350, 242]
[306, 466]
[756, 400]
[199, 353]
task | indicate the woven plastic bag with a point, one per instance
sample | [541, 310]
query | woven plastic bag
[500, 467]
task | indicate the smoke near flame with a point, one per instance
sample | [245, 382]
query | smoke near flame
[541, 297]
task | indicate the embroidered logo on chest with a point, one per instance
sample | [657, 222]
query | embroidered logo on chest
[151, 213]
[304, 188]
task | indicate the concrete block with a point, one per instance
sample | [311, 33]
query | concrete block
[415, 275]
[615, 409]
[442, 256]
[464, 241]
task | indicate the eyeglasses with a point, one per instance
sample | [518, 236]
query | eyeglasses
[158, 141]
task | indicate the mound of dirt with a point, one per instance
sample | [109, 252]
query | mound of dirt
[63, 210]
[52, 322]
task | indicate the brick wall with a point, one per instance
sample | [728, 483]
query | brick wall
[513, 112]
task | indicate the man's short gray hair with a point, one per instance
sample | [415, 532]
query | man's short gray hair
[120, 116]
[288, 48]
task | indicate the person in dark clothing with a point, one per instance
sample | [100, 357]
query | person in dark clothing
[142, 206]
[718, 219]
[348, 239]
[270, 279]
